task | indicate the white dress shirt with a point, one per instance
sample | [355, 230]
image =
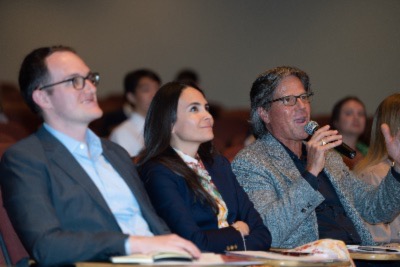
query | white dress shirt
[129, 134]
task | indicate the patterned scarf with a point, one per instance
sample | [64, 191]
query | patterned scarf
[198, 167]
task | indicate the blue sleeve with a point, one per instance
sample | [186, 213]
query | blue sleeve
[259, 237]
[176, 204]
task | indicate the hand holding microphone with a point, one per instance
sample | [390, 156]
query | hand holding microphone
[322, 139]
[344, 149]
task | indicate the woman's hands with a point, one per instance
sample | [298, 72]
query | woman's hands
[392, 145]
[242, 227]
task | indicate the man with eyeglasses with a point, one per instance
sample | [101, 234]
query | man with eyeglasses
[299, 185]
[70, 195]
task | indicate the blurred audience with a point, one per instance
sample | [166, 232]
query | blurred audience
[15, 112]
[376, 164]
[192, 188]
[349, 118]
[116, 109]
[140, 87]
[188, 76]
[3, 116]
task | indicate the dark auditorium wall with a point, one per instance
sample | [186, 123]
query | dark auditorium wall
[348, 47]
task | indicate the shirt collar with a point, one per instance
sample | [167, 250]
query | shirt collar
[292, 155]
[73, 146]
[186, 158]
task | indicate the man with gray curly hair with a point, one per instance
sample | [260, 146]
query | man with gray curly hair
[299, 185]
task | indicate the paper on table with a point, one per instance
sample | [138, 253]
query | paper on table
[373, 249]
[153, 257]
[218, 259]
[280, 256]
[204, 260]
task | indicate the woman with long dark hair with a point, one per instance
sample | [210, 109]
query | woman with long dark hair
[192, 188]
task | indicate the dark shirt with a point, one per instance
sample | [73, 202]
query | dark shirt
[331, 216]
[104, 125]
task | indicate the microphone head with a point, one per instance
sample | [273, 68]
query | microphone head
[311, 127]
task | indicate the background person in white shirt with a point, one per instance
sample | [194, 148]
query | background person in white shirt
[140, 86]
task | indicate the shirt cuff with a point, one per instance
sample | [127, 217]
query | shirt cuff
[127, 247]
[311, 179]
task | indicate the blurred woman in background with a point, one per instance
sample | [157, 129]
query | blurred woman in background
[349, 118]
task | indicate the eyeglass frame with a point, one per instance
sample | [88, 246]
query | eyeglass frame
[308, 95]
[93, 77]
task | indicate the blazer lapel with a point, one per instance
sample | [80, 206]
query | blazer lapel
[335, 175]
[282, 161]
[59, 155]
[218, 178]
[127, 172]
[131, 177]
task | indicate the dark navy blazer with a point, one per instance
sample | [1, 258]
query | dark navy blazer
[57, 210]
[176, 204]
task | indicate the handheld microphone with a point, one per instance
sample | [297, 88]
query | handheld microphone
[344, 149]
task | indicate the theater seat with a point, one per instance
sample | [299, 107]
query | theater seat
[12, 248]
[231, 128]
[12, 130]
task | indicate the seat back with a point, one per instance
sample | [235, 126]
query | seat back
[231, 128]
[4, 258]
[13, 250]
[12, 130]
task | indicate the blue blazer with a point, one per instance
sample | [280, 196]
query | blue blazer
[56, 209]
[193, 220]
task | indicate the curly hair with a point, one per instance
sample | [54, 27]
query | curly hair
[263, 89]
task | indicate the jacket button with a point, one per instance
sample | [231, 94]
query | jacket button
[303, 210]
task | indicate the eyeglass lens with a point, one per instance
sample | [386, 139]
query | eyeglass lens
[291, 100]
[79, 82]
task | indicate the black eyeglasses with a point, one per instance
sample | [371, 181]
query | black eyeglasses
[291, 100]
[78, 82]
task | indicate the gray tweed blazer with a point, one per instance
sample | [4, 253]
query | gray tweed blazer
[286, 201]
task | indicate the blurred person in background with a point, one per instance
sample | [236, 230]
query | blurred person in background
[349, 118]
[140, 88]
[188, 76]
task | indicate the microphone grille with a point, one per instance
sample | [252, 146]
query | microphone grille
[311, 127]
